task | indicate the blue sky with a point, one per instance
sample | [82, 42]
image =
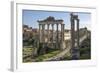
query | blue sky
[30, 17]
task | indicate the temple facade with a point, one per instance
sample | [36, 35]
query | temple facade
[50, 37]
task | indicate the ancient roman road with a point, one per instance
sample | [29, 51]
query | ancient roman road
[65, 51]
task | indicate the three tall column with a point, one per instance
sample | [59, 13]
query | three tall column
[74, 40]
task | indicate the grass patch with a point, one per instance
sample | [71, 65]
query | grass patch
[48, 55]
[27, 53]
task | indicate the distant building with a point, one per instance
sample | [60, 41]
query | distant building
[29, 33]
[67, 34]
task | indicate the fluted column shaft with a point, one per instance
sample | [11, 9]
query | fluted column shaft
[39, 32]
[72, 34]
[78, 33]
[43, 28]
[62, 32]
[52, 32]
[48, 32]
[57, 36]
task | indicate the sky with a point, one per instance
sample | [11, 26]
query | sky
[30, 17]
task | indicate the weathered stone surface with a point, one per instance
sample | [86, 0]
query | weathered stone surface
[74, 49]
[49, 37]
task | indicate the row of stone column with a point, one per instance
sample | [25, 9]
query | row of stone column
[42, 33]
